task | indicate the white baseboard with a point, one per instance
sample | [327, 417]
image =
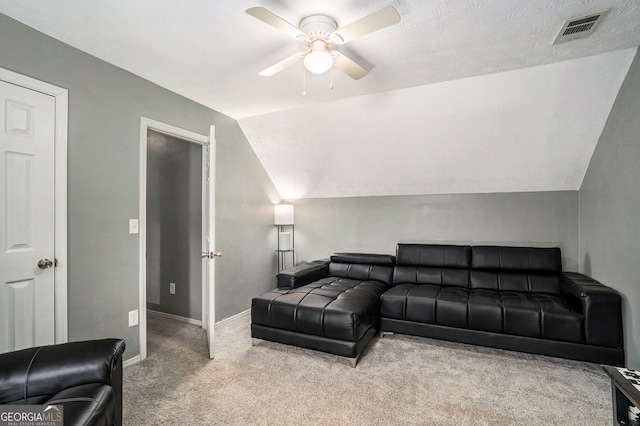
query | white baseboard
[136, 359]
[175, 317]
[131, 361]
[236, 316]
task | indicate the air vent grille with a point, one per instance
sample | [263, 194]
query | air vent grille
[579, 27]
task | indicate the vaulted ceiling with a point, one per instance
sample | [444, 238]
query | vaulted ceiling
[461, 96]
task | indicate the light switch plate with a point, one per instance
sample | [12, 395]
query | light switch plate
[133, 226]
[133, 318]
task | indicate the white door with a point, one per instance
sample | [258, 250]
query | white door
[210, 312]
[27, 137]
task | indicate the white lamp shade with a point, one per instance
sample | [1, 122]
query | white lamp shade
[283, 214]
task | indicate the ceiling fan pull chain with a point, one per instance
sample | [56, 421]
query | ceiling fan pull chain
[331, 79]
[304, 82]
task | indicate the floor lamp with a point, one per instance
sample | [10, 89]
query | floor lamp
[283, 214]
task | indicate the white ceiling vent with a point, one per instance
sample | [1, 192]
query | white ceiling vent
[580, 27]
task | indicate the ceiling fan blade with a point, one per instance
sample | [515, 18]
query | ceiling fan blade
[370, 23]
[275, 21]
[349, 67]
[279, 66]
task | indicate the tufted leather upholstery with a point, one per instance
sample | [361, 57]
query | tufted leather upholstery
[342, 306]
[513, 298]
[338, 308]
[84, 377]
[509, 290]
[302, 274]
[433, 264]
[370, 267]
[513, 291]
[525, 269]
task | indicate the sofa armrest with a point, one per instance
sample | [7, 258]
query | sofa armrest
[600, 306]
[302, 274]
[47, 370]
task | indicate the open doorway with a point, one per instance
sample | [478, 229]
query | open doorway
[174, 228]
[176, 223]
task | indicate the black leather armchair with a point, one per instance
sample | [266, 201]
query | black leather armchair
[84, 377]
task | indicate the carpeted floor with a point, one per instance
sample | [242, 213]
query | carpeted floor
[400, 380]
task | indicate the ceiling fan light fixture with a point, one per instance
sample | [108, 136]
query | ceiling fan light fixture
[318, 62]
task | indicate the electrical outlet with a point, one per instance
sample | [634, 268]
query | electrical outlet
[133, 318]
[172, 288]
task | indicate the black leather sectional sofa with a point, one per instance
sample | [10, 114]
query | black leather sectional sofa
[85, 378]
[514, 298]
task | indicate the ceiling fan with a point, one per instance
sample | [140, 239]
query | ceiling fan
[318, 32]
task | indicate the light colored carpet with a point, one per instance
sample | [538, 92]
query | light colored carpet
[399, 380]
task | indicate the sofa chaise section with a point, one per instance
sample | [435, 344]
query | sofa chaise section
[514, 298]
[326, 306]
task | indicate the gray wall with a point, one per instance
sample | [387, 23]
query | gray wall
[174, 225]
[610, 209]
[377, 224]
[105, 105]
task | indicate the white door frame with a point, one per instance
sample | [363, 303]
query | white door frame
[209, 200]
[145, 125]
[61, 97]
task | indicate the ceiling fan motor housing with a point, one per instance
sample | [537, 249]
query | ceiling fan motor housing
[318, 27]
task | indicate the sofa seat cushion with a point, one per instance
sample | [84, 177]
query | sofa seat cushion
[518, 313]
[332, 307]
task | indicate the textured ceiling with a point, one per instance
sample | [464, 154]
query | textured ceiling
[462, 96]
[527, 130]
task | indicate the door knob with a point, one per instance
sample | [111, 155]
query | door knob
[45, 264]
[211, 254]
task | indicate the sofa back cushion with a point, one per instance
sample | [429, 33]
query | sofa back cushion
[359, 266]
[527, 269]
[445, 265]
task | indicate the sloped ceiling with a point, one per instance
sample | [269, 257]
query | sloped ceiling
[462, 96]
[528, 130]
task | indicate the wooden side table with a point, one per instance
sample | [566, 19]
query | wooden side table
[623, 395]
